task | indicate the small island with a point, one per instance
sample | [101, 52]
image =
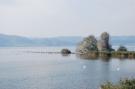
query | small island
[91, 47]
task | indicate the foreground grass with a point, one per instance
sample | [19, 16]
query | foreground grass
[123, 84]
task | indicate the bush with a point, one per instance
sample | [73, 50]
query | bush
[123, 84]
[122, 48]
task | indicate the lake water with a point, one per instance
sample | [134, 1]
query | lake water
[21, 68]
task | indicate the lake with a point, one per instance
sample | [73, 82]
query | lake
[25, 68]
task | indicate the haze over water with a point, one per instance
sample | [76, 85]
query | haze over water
[22, 69]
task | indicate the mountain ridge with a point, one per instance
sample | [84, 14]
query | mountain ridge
[21, 41]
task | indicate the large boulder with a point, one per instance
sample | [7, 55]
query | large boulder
[65, 51]
[87, 45]
[103, 43]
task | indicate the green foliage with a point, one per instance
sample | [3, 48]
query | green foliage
[122, 48]
[123, 84]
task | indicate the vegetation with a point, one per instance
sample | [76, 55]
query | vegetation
[122, 48]
[122, 84]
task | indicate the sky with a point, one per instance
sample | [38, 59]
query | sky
[50, 18]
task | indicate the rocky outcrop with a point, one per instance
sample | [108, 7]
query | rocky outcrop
[65, 51]
[90, 44]
[103, 43]
[87, 45]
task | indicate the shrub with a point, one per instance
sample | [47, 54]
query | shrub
[122, 48]
[123, 84]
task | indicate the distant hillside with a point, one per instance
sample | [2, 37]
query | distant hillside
[9, 41]
[15, 41]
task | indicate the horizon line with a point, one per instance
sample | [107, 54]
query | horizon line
[26, 36]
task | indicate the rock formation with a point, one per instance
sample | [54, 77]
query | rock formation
[103, 43]
[88, 44]
[65, 51]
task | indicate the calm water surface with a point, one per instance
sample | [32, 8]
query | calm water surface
[20, 68]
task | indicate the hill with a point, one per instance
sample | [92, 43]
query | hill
[19, 41]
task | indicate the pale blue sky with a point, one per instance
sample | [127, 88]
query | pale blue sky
[47, 18]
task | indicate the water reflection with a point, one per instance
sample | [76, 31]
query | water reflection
[105, 59]
[89, 57]
[86, 56]
[65, 55]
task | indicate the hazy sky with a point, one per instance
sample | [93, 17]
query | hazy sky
[46, 18]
